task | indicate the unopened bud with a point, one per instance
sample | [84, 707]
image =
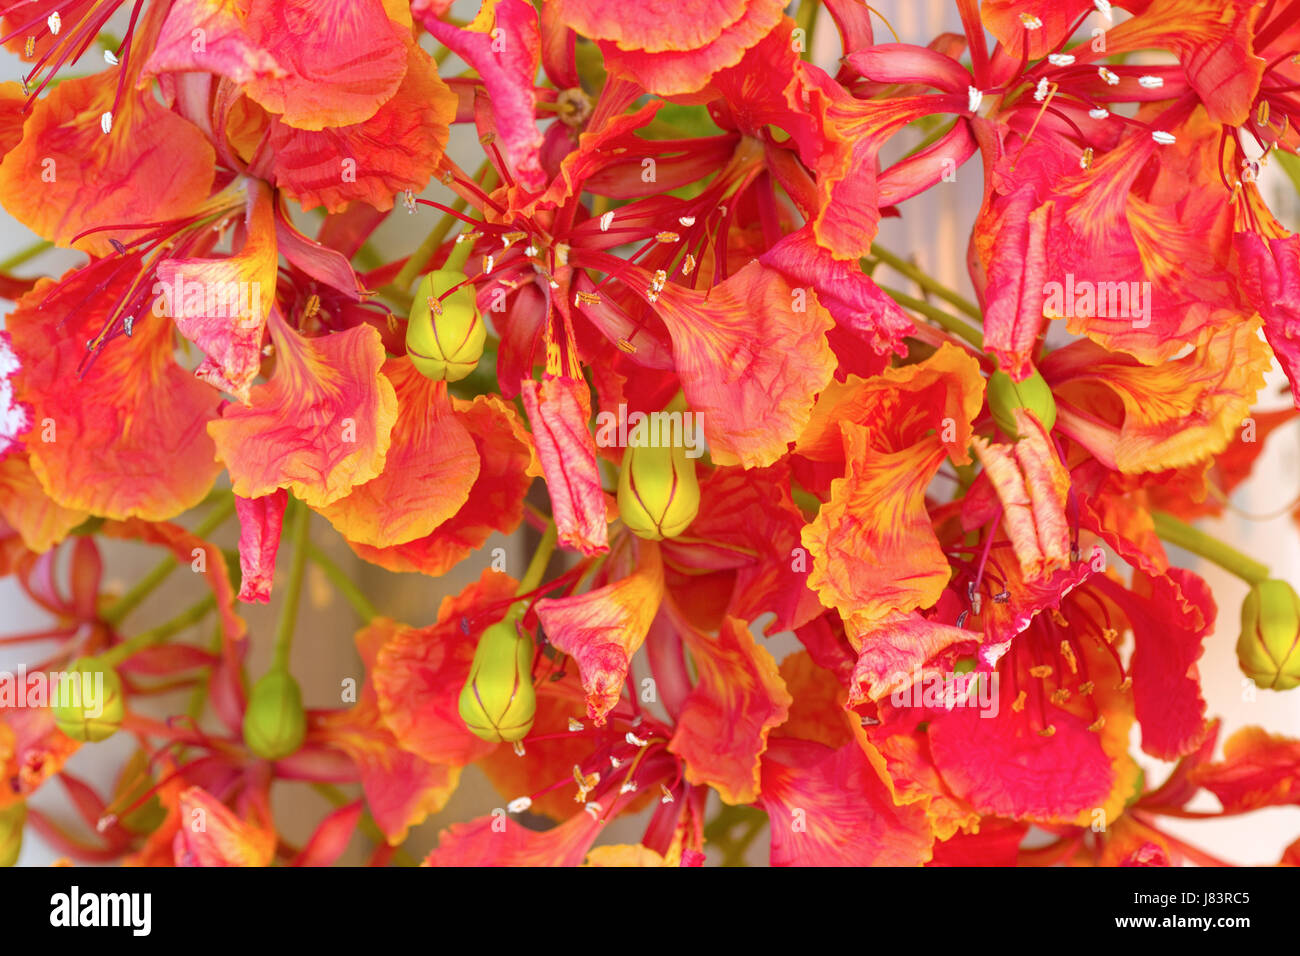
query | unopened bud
[658, 493]
[498, 702]
[1269, 647]
[1034, 394]
[445, 338]
[275, 722]
[89, 704]
[12, 819]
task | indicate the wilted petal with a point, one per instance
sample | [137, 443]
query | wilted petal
[602, 629]
[260, 522]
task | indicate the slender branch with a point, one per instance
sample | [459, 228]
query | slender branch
[925, 281]
[949, 323]
[284, 628]
[1207, 546]
[343, 584]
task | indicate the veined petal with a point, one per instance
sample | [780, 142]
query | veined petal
[40, 520]
[320, 427]
[830, 807]
[752, 355]
[430, 469]
[341, 164]
[722, 730]
[495, 502]
[127, 431]
[559, 409]
[66, 176]
[221, 305]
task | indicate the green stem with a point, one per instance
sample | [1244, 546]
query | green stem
[23, 255]
[541, 558]
[298, 521]
[1196, 541]
[128, 602]
[366, 824]
[343, 584]
[921, 278]
[807, 19]
[949, 323]
[157, 635]
[199, 696]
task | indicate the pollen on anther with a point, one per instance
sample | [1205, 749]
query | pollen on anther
[1041, 671]
[575, 725]
[595, 809]
[1060, 59]
[626, 346]
[666, 236]
[1103, 7]
[54, 22]
[110, 58]
[1151, 82]
[106, 122]
[519, 804]
[629, 786]
[1111, 78]
[686, 221]
[1068, 653]
[1031, 22]
[1060, 696]
[1098, 724]
[1163, 138]
[974, 97]
[606, 220]
[1098, 113]
[519, 748]
[586, 298]
[1048, 731]
[29, 49]
[688, 264]
[1019, 703]
[1040, 91]
[634, 740]
[615, 762]
[666, 795]
[1087, 687]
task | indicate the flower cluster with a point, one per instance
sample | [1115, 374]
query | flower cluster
[656, 293]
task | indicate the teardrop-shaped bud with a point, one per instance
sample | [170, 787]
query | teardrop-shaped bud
[1269, 647]
[12, 819]
[658, 493]
[498, 702]
[275, 722]
[1006, 395]
[445, 337]
[87, 701]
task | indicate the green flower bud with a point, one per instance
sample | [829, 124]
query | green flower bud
[498, 702]
[444, 339]
[658, 493]
[1033, 393]
[275, 722]
[12, 819]
[1269, 647]
[88, 702]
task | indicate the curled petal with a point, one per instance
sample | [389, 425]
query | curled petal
[260, 523]
[559, 409]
